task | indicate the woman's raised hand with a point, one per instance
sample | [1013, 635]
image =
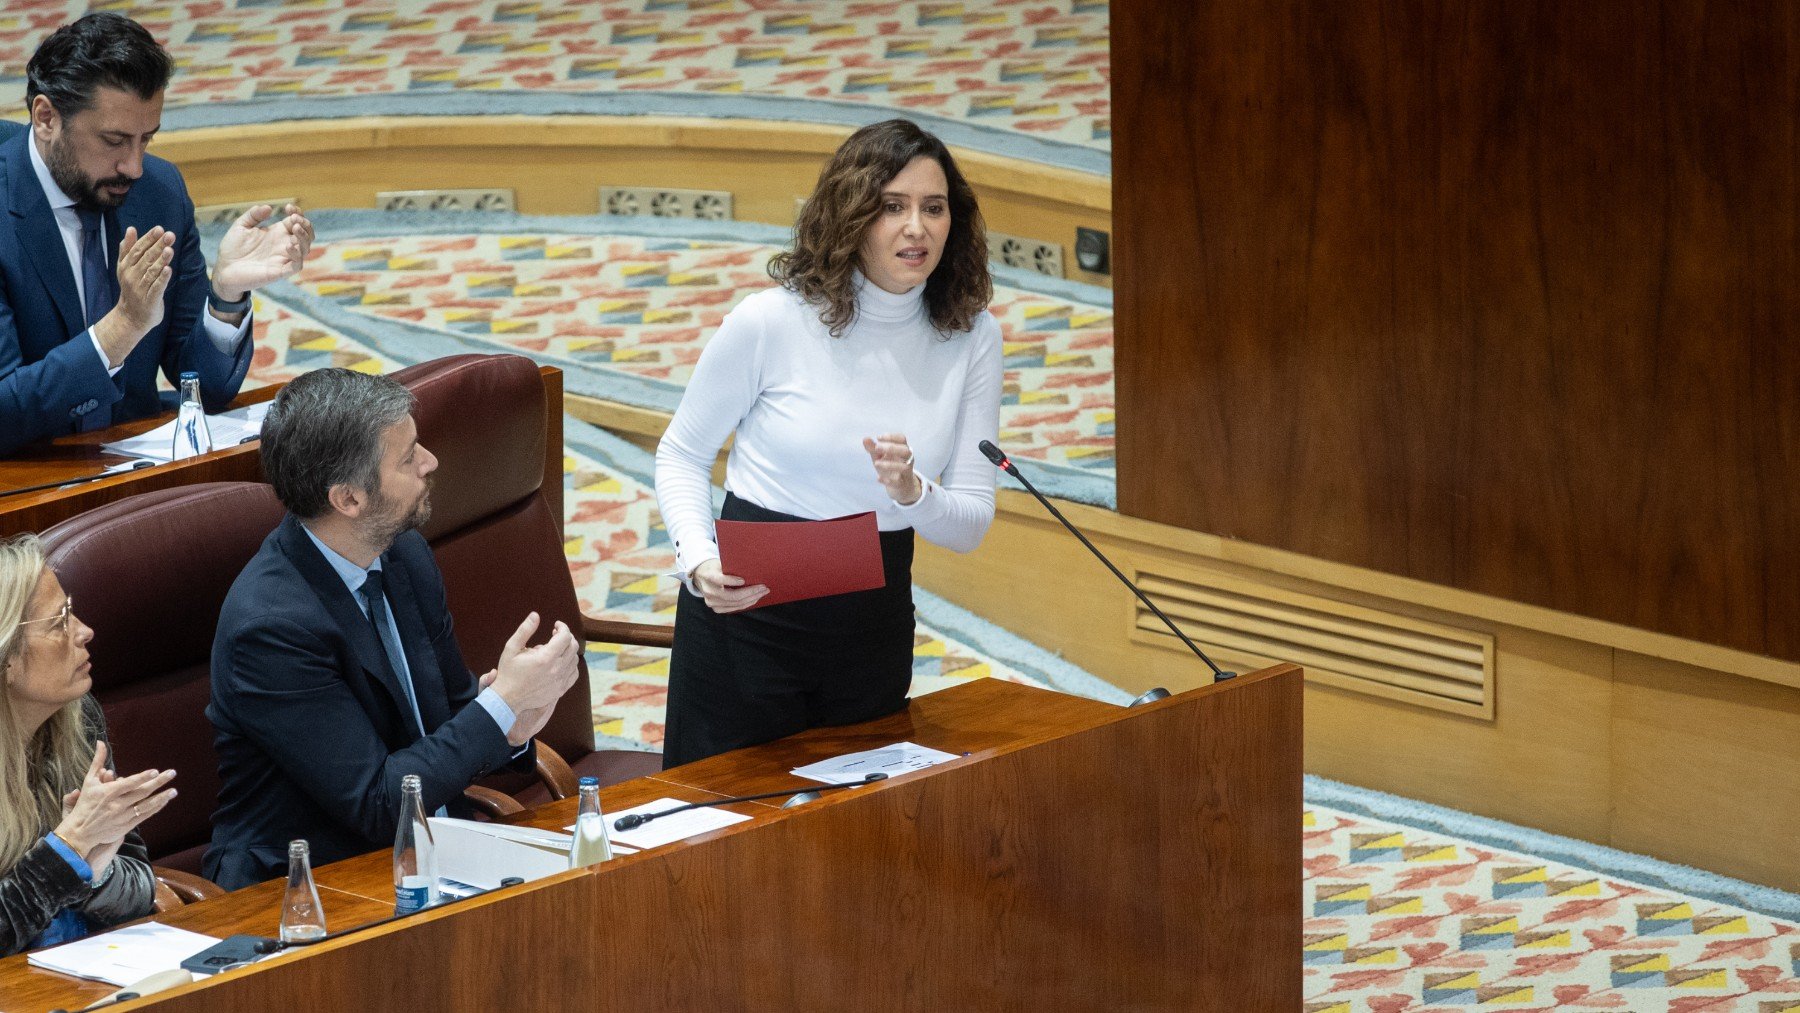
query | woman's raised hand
[894, 467]
[97, 816]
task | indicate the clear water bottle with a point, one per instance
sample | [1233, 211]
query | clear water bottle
[192, 438]
[302, 917]
[415, 861]
[590, 845]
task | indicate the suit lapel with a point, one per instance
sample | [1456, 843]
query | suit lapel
[350, 618]
[428, 683]
[36, 226]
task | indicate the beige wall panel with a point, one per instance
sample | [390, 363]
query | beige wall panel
[1542, 762]
[1707, 770]
[556, 165]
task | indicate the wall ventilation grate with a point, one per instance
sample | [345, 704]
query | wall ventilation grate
[1344, 646]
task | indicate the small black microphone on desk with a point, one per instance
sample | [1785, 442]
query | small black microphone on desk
[992, 453]
[635, 820]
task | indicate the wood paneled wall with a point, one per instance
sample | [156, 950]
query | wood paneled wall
[1497, 295]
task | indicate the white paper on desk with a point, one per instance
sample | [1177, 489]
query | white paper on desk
[483, 854]
[894, 760]
[228, 429]
[124, 956]
[666, 829]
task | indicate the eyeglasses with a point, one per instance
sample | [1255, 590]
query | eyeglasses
[61, 619]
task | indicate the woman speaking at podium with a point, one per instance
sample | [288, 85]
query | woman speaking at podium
[864, 382]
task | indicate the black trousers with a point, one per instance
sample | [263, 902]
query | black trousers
[748, 677]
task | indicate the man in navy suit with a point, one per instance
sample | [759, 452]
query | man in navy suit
[101, 278]
[335, 671]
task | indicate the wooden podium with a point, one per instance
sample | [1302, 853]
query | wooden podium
[1077, 856]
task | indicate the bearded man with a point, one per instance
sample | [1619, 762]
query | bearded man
[102, 283]
[335, 669]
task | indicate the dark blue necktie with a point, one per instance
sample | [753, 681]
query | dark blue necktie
[100, 290]
[376, 599]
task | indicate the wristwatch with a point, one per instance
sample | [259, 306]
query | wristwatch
[227, 308]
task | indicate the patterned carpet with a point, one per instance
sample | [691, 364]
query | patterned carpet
[1025, 76]
[1409, 909]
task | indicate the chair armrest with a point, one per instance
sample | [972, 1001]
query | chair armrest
[163, 899]
[490, 803]
[187, 887]
[611, 631]
[554, 772]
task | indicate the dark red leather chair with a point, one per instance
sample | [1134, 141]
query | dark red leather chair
[151, 572]
[500, 548]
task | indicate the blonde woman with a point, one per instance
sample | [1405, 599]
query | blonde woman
[70, 859]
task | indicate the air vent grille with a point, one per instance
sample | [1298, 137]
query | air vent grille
[1345, 646]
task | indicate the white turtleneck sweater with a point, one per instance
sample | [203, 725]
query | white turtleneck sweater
[800, 402]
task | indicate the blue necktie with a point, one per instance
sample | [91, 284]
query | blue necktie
[376, 599]
[99, 289]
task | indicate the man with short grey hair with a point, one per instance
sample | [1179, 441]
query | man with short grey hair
[334, 670]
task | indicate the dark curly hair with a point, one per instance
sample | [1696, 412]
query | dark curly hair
[101, 49]
[828, 234]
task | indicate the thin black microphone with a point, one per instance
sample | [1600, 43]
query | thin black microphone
[268, 946]
[73, 481]
[635, 820]
[1000, 461]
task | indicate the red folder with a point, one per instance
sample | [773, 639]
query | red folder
[798, 560]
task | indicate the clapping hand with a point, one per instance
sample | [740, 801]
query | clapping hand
[532, 679]
[144, 272]
[98, 815]
[251, 256]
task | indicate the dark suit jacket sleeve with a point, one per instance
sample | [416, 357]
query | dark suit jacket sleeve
[288, 698]
[188, 346]
[38, 400]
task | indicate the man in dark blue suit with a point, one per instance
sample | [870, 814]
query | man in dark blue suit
[101, 278]
[335, 671]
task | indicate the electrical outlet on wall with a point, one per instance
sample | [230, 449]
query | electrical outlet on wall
[1093, 250]
[225, 214]
[470, 199]
[1013, 251]
[666, 202]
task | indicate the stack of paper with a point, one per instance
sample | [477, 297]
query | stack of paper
[228, 430]
[123, 956]
[893, 761]
[480, 855]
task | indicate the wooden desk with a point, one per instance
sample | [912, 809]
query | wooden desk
[1082, 856]
[68, 458]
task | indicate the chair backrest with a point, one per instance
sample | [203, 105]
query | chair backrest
[491, 528]
[149, 574]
